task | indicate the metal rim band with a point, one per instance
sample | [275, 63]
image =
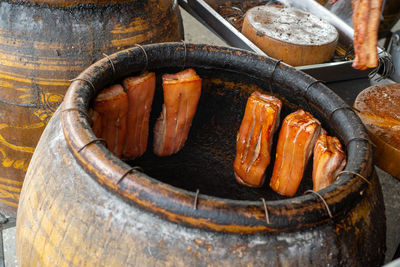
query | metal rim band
[92, 142]
[111, 62]
[323, 200]
[145, 54]
[84, 80]
[266, 210]
[136, 168]
[271, 78]
[88, 117]
[196, 199]
[354, 173]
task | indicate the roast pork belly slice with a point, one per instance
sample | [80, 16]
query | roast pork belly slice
[329, 160]
[254, 139]
[299, 132]
[112, 105]
[181, 95]
[140, 90]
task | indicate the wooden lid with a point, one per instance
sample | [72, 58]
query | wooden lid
[290, 34]
[379, 108]
[291, 25]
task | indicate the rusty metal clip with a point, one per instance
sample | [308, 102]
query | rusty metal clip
[145, 54]
[196, 198]
[84, 80]
[136, 168]
[271, 78]
[323, 200]
[265, 209]
[354, 173]
[111, 62]
[88, 117]
[92, 142]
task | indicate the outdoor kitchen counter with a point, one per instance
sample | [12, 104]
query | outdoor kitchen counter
[196, 32]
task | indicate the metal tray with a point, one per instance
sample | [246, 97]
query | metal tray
[329, 72]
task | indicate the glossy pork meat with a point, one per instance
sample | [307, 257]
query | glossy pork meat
[299, 132]
[254, 139]
[366, 17]
[112, 105]
[140, 90]
[329, 160]
[181, 95]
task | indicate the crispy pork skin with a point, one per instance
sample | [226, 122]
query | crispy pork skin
[140, 90]
[254, 139]
[299, 132]
[112, 105]
[329, 160]
[181, 95]
[366, 17]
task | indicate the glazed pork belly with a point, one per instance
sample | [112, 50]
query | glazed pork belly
[254, 139]
[112, 106]
[181, 95]
[140, 90]
[329, 160]
[299, 132]
[366, 16]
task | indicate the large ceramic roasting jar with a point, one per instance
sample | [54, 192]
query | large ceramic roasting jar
[45, 43]
[81, 206]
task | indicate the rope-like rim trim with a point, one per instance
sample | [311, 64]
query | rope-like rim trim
[323, 201]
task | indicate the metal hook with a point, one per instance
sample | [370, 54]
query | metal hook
[145, 54]
[93, 141]
[136, 168]
[311, 84]
[323, 200]
[111, 62]
[266, 210]
[88, 117]
[339, 108]
[84, 80]
[196, 197]
[271, 78]
[355, 173]
[184, 56]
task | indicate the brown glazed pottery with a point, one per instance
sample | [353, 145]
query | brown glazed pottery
[45, 43]
[81, 206]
